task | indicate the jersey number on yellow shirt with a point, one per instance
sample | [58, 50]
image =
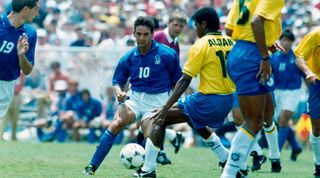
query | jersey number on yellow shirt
[222, 57]
[244, 13]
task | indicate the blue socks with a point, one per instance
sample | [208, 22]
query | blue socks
[287, 133]
[283, 135]
[103, 148]
[292, 140]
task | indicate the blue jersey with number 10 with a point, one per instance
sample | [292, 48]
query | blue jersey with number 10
[155, 72]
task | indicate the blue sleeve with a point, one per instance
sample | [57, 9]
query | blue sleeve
[32, 39]
[80, 111]
[175, 69]
[121, 73]
[97, 109]
[68, 105]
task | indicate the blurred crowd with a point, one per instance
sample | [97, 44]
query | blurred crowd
[109, 22]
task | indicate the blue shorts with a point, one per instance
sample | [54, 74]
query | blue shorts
[206, 110]
[243, 64]
[314, 100]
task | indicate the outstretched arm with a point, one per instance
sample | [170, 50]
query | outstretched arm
[310, 76]
[178, 90]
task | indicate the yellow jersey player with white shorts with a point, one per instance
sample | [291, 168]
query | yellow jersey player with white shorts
[308, 60]
[255, 25]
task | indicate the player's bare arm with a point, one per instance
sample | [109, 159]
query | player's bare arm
[178, 90]
[257, 25]
[22, 49]
[229, 31]
[310, 76]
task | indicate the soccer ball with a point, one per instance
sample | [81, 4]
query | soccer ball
[132, 156]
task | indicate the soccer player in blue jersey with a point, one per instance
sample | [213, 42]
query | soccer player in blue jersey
[203, 109]
[17, 46]
[255, 25]
[153, 70]
[89, 109]
[308, 60]
[287, 82]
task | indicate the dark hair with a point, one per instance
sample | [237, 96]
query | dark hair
[55, 65]
[208, 15]
[288, 34]
[155, 21]
[85, 91]
[18, 5]
[178, 17]
[144, 21]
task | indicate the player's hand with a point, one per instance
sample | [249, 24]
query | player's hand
[275, 47]
[158, 116]
[264, 72]
[121, 96]
[311, 78]
[23, 45]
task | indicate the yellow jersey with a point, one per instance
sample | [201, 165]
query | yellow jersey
[242, 12]
[309, 49]
[207, 57]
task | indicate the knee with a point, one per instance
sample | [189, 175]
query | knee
[117, 126]
[255, 126]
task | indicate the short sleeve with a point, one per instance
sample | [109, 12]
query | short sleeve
[269, 9]
[195, 60]
[306, 46]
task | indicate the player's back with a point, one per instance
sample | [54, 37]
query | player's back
[242, 12]
[207, 57]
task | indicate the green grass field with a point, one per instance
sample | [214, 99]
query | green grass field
[67, 160]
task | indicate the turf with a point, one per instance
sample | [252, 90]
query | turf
[68, 160]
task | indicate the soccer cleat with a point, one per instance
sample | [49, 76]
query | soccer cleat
[242, 174]
[257, 160]
[317, 171]
[163, 159]
[275, 165]
[177, 142]
[89, 170]
[141, 173]
[295, 154]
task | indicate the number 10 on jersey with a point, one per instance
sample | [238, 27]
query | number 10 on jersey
[144, 72]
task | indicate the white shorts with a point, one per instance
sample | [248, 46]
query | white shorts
[286, 100]
[141, 104]
[6, 95]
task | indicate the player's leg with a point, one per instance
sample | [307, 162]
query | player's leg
[257, 153]
[315, 144]
[314, 111]
[295, 145]
[123, 117]
[252, 108]
[288, 104]
[155, 134]
[213, 141]
[271, 134]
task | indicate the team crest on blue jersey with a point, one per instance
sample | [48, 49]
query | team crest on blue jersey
[157, 59]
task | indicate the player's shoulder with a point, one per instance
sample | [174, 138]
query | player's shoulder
[158, 33]
[129, 54]
[164, 49]
[30, 31]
